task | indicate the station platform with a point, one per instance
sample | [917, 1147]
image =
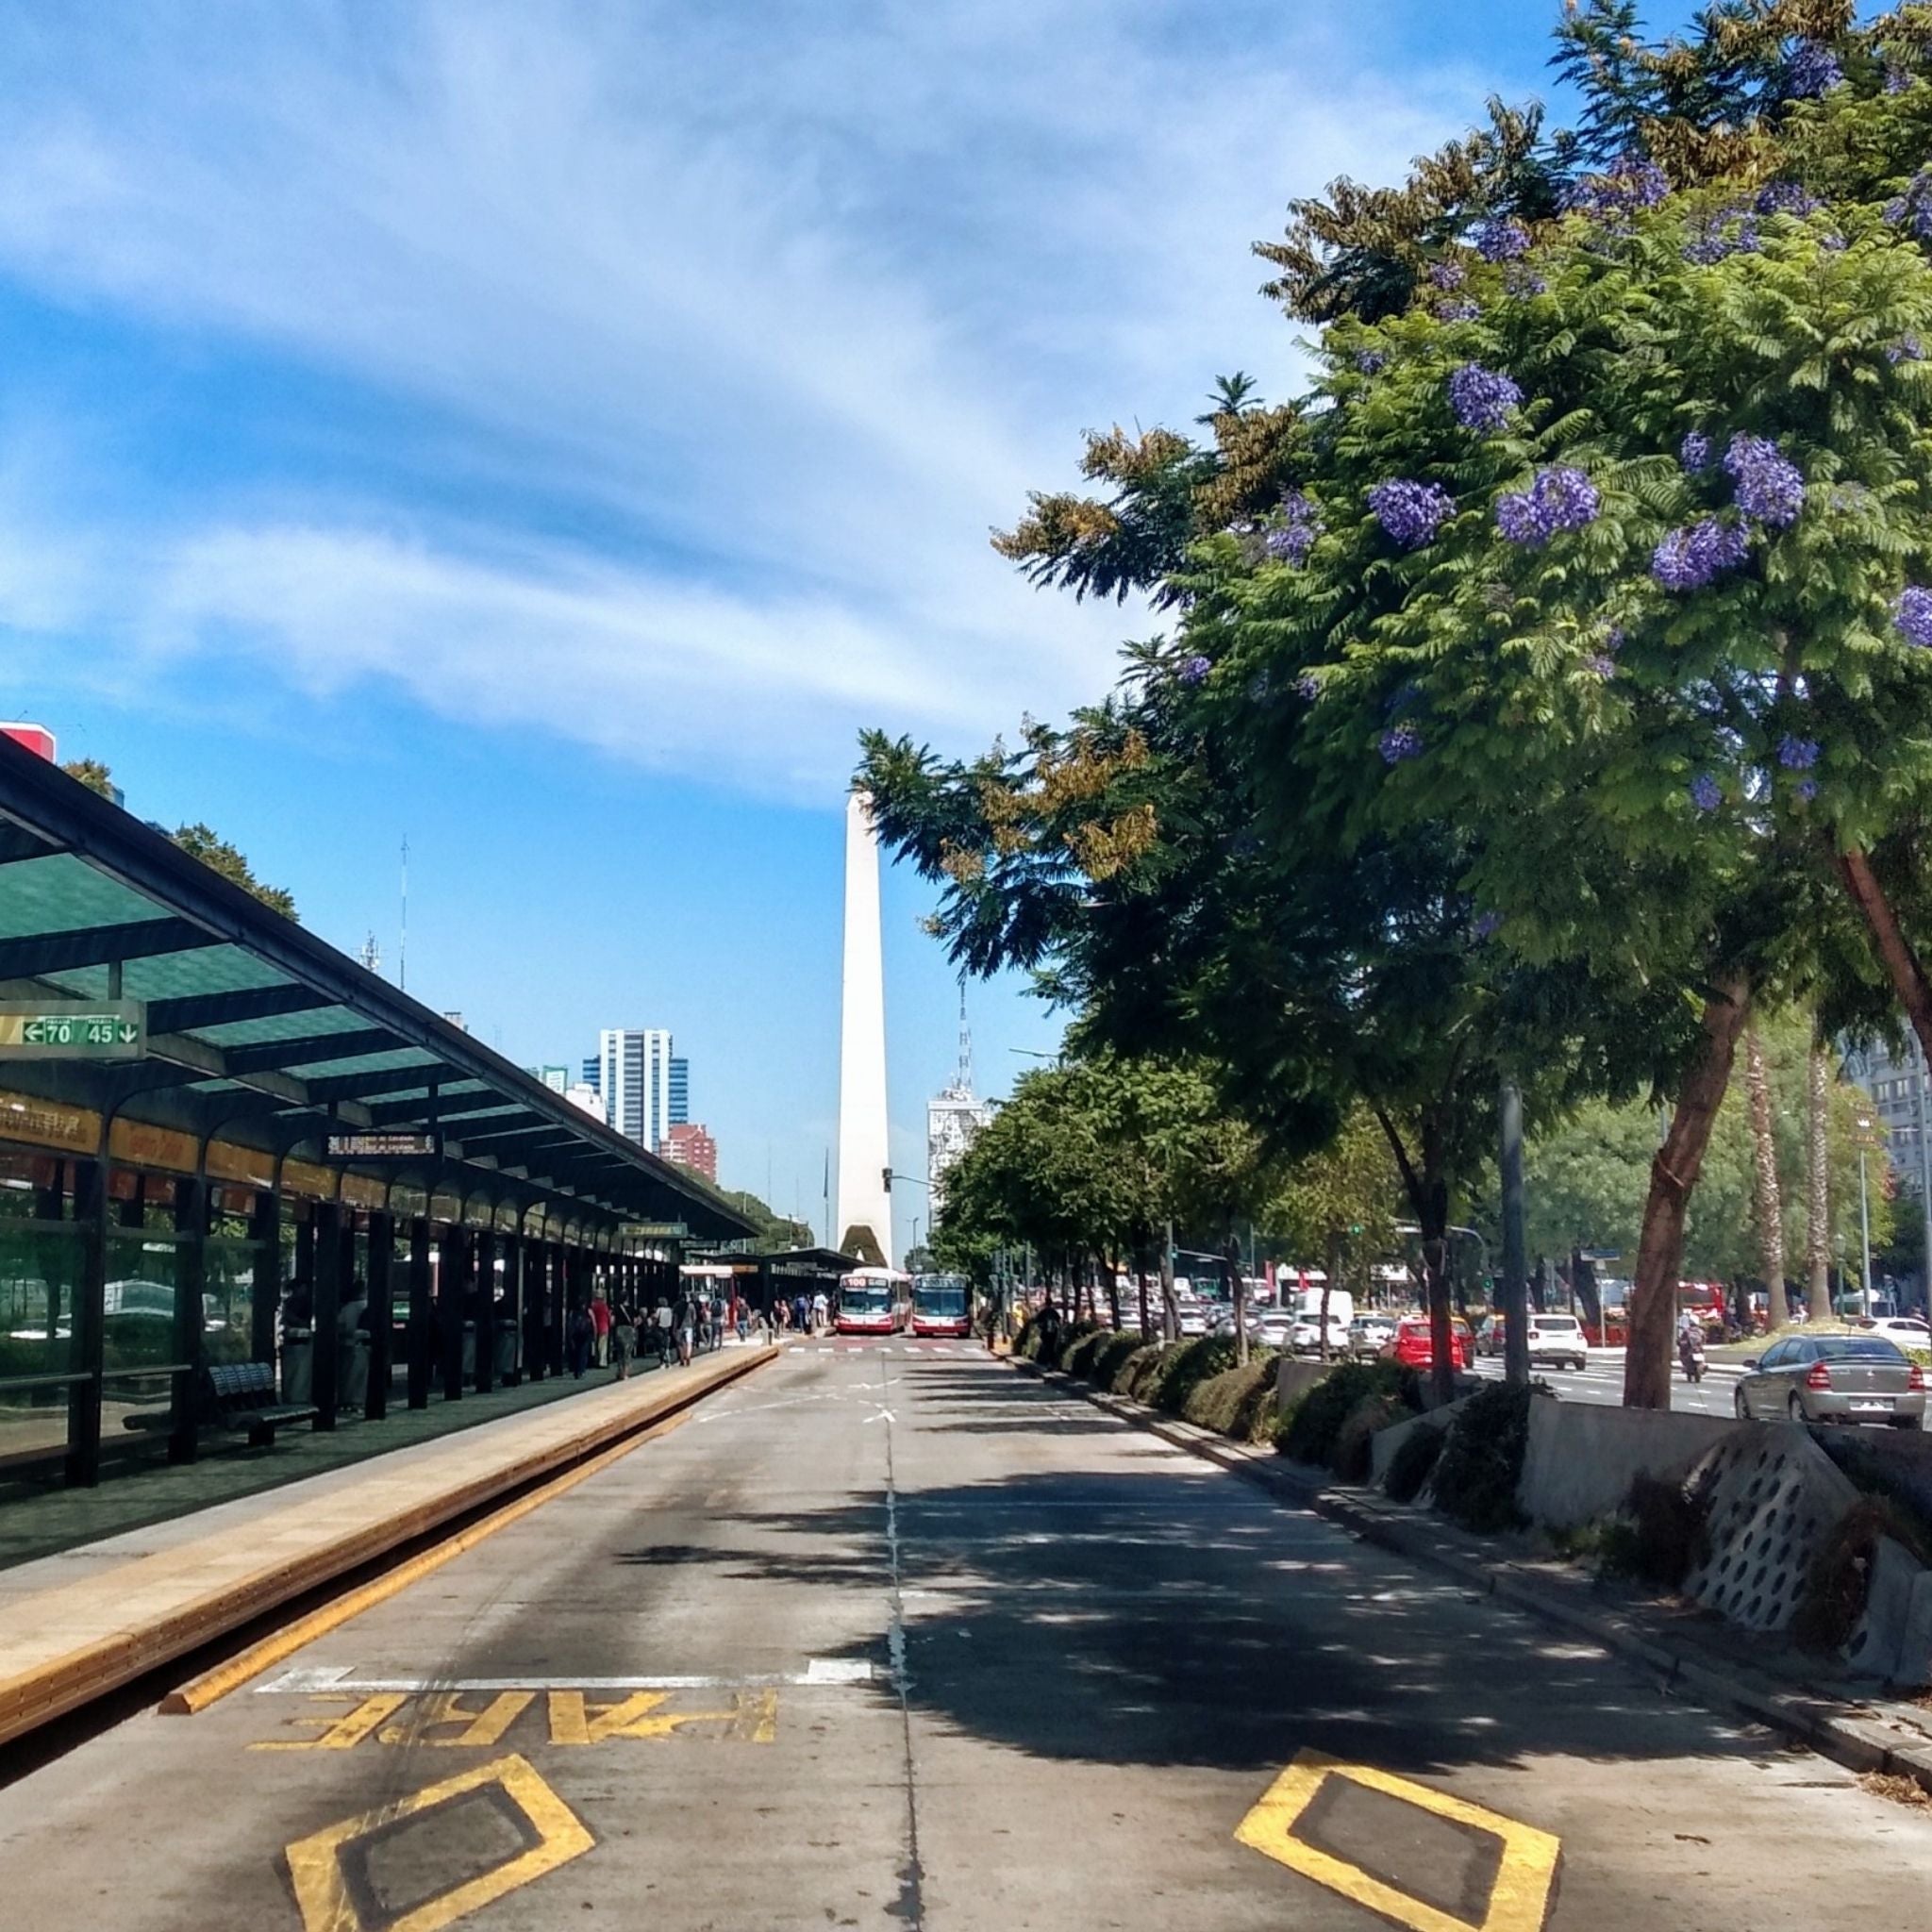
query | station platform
[96, 1615]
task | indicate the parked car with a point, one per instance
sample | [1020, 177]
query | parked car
[1413, 1347]
[1370, 1334]
[1909, 1331]
[1558, 1339]
[1833, 1378]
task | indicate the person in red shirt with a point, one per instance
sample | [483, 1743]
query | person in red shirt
[600, 1321]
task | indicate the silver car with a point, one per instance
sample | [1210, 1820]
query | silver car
[1833, 1378]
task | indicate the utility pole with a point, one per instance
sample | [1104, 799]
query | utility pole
[1515, 1282]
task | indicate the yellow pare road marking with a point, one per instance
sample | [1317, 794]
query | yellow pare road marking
[327, 1898]
[442, 1720]
[1526, 1876]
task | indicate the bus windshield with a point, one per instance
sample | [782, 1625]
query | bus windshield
[865, 1300]
[940, 1295]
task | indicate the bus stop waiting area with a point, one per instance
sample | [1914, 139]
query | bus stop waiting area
[218, 1134]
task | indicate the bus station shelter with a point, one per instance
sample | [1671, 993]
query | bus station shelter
[218, 1134]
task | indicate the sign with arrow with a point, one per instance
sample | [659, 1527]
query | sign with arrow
[73, 1029]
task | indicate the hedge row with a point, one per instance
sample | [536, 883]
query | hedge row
[1198, 1380]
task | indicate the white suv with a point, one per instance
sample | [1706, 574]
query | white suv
[1558, 1339]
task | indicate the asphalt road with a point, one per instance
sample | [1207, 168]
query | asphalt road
[1602, 1381]
[894, 1636]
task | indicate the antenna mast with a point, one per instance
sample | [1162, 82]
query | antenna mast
[403, 949]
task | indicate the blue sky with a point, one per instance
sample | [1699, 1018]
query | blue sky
[552, 431]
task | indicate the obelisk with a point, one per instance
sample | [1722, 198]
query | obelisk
[865, 1204]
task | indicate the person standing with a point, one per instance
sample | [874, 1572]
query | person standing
[581, 1338]
[664, 1320]
[600, 1323]
[624, 1338]
[687, 1325]
[819, 1311]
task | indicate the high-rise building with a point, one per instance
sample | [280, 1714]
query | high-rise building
[578, 1095]
[680, 1091]
[1901, 1094]
[865, 1201]
[690, 1145]
[554, 1077]
[953, 1117]
[594, 1072]
[634, 1079]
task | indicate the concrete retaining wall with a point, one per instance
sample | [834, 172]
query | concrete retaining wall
[1294, 1378]
[1583, 1456]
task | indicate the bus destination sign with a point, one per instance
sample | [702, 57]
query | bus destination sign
[73, 1029]
[381, 1146]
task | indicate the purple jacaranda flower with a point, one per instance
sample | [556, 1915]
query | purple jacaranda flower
[1808, 790]
[1603, 664]
[1911, 611]
[1401, 698]
[1707, 794]
[1194, 670]
[1690, 558]
[1768, 487]
[1912, 210]
[1906, 349]
[1560, 498]
[1307, 686]
[1797, 754]
[1632, 183]
[1457, 309]
[1729, 231]
[1482, 398]
[1487, 924]
[1411, 512]
[1447, 275]
[1694, 452]
[1523, 282]
[1500, 240]
[1786, 198]
[1614, 639]
[1812, 70]
[1896, 79]
[1291, 539]
[1370, 361]
[1401, 742]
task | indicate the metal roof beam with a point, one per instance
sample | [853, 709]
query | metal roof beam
[270, 1054]
[38, 954]
[195, 1011]
[17, 842]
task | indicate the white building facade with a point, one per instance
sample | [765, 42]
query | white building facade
[634, 1081]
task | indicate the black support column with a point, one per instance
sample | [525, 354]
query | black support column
[483, 1250]
[331, 1238]
[513, 1306]
[90, 1336]
[452, 1283]
[265, 1294]
[382, 1308]
[190, 1282]
[422, 1339]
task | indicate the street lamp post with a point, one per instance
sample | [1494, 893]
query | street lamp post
[1864, 1214]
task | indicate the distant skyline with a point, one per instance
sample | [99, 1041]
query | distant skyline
[550, 434]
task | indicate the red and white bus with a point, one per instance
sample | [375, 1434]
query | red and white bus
[872, 1301]
[941, 1305]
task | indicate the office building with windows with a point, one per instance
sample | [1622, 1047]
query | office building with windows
[691, 1147]
[634, 1081]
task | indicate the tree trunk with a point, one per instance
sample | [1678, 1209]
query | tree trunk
[1428, 1188]
[1768, 1200]
[1114, 1290]
[1672, 1175]
[1238, 1297]
[1330, 1263]
[1818, 1190]
[1902, 964]
[1141, 1262]
[1170, 1308]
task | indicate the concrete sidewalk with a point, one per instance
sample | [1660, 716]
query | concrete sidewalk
[77, 1624]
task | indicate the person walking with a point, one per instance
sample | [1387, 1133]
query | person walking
[624, 1338]
[600, 1323]
[819, 1308]
[687, 1323]
[581, 1338]
[662, 1320]
[801, 1312]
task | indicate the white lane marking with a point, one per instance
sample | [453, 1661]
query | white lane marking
[883, 1415]
[820, 1671]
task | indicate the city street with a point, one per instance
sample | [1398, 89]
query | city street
[894, 1635]
[1602, 1381]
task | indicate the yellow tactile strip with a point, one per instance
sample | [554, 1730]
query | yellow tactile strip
[64, 1646]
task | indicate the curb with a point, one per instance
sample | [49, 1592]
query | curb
[1865, 1743]
[65, 1683]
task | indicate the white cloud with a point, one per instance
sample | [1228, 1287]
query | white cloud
[717, 337]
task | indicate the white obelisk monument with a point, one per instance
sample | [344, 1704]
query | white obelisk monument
[865, 1203]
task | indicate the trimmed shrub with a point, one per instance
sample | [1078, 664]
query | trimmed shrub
[1413, 1463]
[1482, 1460]
[1107, 1361]
[1352, 1457]
[1080, 1355]
[1184, 1367]
[1310, 1431]
[1233, 1401]
[1840, 1579]
[1138, 1372]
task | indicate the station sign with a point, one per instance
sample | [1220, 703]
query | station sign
[376, 1145]
[655, 1230]
[73, 1029]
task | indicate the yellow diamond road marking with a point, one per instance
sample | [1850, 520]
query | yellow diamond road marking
[323, 1891]
[1519, 1900]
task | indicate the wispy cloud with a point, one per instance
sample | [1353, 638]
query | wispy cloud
[694, 349]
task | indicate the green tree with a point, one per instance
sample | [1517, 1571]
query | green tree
[776, 1234]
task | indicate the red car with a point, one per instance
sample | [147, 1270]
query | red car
[1414, 1349]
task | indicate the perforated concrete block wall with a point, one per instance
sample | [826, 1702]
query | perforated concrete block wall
[1774, 1496]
